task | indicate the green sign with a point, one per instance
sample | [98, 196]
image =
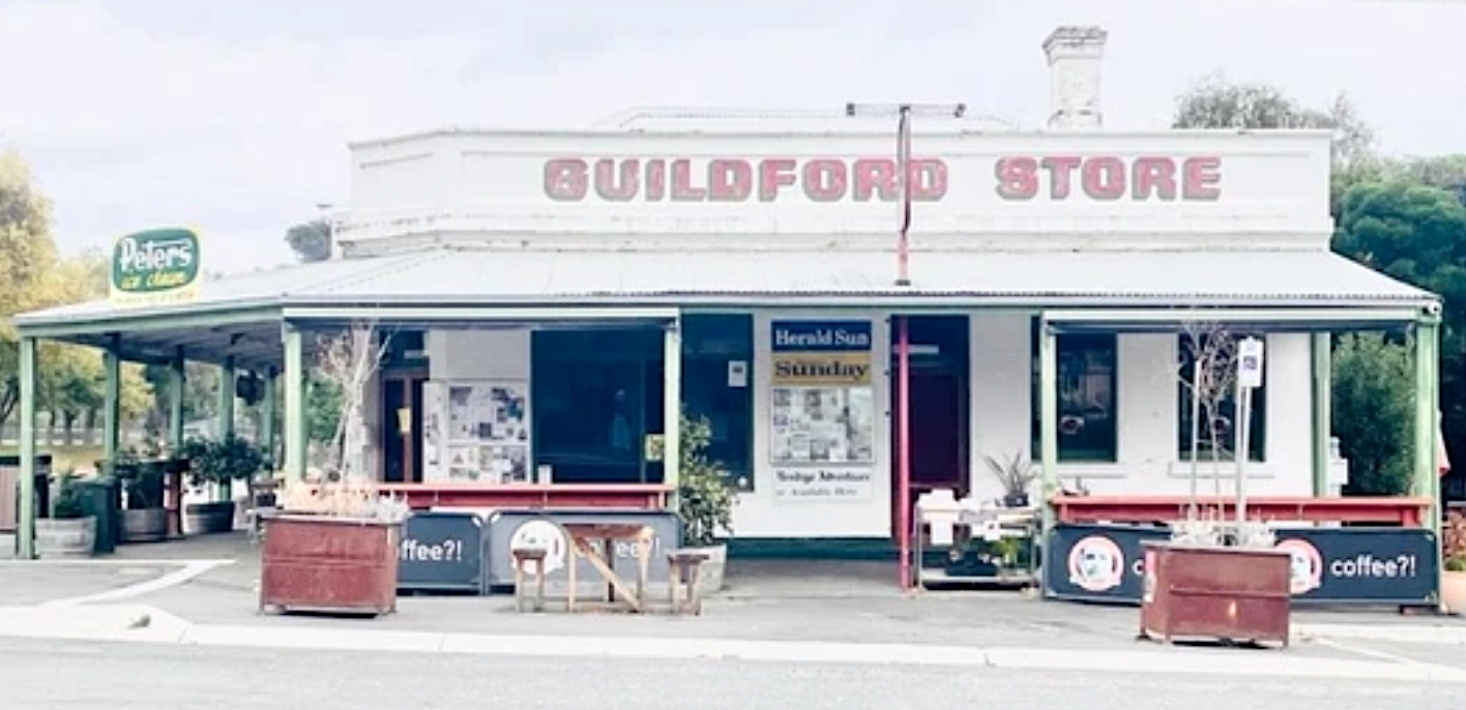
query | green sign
[159, 264]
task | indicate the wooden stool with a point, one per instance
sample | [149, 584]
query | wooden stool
[686, 572]
[535, 558]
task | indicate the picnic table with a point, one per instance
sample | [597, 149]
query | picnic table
[597, 543]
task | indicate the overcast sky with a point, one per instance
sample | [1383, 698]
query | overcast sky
[233, 116]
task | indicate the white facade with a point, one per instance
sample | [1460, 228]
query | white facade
[1201, 191]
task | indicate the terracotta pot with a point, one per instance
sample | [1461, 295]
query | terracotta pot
[1453, 592]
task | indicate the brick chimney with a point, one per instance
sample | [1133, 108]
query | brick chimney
[1074, 56]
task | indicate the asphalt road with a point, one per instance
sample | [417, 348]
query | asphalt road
[36, 675]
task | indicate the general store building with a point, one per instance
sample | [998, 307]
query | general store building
[554, 297]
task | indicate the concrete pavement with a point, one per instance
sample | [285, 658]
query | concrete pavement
[205, 596]
[49, 674]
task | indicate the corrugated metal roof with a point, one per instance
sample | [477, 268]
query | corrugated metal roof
[734, 277]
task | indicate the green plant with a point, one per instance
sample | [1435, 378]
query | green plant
[68, 504]
[704, 498]
[222, 461]
[1016, 474]
[1453, 542]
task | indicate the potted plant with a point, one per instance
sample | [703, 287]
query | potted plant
[69, 532]
[1016, 474]
[705, 501]
[141, 476]
[1453, 560]
[332, 547]
[219, 463]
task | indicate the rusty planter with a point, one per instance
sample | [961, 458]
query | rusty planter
[329, 564]
[1215, 593]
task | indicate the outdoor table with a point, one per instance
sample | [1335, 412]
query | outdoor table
[583, 543]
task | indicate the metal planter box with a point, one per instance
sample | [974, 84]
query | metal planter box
[328, 564]
[1220, 593]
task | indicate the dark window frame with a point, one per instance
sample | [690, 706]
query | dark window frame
[1257, 443]
[710, 340]
[1074, 348]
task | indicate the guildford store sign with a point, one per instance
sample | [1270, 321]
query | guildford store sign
[1012, 178]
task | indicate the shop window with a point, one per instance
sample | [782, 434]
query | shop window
[1087, 412]
[717, 383]
[1226, 410]
[595, 395]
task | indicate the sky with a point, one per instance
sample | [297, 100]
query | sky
[234, 116]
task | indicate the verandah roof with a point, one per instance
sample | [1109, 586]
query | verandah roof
[244, 311]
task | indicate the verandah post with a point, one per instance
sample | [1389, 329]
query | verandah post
[672, 408]
[27, 372]
[111, 400]
[227, 377]
[1048, 427]
[1426, 477]
[1323, 427]
[267, 417]
[295, 431]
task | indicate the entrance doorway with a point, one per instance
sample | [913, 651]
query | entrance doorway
[940, 397]
[402, 446]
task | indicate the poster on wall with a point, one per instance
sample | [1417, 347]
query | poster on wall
[481, 432]
[435, 431]
[822, 396]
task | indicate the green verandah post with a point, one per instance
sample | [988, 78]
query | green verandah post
[27, 537]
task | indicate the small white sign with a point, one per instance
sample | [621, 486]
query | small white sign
[1249, 363]
[813, 485]
[737, 373]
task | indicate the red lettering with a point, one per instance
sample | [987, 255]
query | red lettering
[824, 180]
[609, 187]
[656, 180]
[1104, 178]
[773, 174]
[1017, 178]
[1201, 178]
[928, 178]
[729, 180]
[1154, 176]
[682, 187]
[1061, 170]
[872, 174]
[565, 179]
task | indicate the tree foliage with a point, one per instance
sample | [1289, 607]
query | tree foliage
[1373, 404]
[1218, 103]
[70, 378]
[311, 241]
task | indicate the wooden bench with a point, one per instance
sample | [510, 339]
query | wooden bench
[534, 558]
[686, 576]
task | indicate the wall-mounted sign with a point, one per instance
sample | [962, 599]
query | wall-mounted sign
[808, 485]
[1107, 178]
[1100, 178]
[822, 406]
[155, 266]
[739, 179]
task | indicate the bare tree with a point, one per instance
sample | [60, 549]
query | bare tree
[1213, 378]
[349, 359]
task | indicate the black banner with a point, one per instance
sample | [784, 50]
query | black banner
[1395, 566]
[441, 552]
[1097, 562]
[1362, 565]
